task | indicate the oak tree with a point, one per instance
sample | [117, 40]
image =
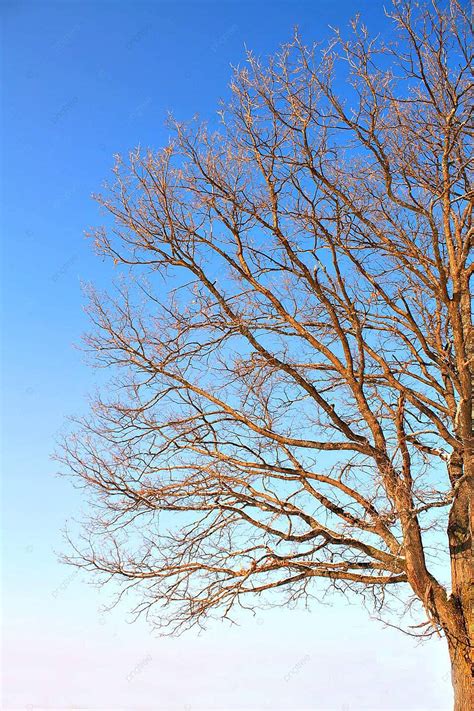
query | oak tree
[291, 342]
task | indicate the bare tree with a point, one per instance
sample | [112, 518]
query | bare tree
[299, 404]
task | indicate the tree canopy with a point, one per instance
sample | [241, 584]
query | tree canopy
[292, 343]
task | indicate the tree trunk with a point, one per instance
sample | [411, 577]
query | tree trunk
[462, 678]
[460, 629]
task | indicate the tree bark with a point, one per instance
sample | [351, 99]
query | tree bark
[462, 677]
[460, 527]
[460, 630]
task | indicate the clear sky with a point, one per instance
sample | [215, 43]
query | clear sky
[80, 82]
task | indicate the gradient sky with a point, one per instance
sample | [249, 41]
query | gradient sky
[82, 81]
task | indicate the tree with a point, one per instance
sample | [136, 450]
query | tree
[299, 404]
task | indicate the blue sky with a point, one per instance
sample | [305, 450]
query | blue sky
[82, 81]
